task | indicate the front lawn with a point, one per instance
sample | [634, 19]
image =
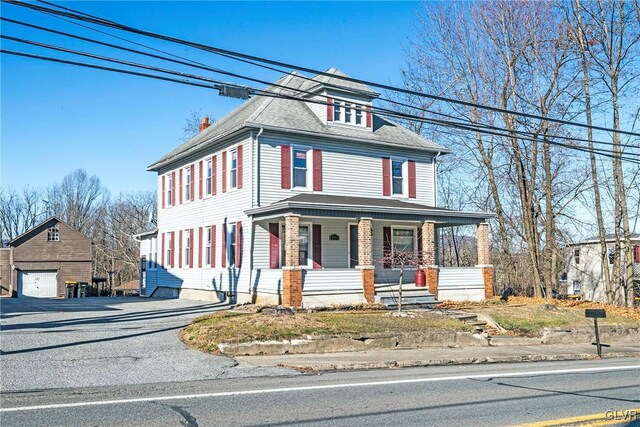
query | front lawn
[524, 316]
[206, 332]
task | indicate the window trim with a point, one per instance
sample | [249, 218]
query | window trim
[188, 182]
[415, 241]
[405, 176]
[208, 241]
[208, 167]
[170, 190]
[309, 159]
[573, 287]
[186, 248]
[357, 109]
[53, 233]
[168, 253]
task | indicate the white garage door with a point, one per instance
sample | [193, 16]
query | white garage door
[38, 284]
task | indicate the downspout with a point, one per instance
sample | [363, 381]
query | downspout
[435, 179]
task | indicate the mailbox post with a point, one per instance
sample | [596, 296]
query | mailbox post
[595, 314]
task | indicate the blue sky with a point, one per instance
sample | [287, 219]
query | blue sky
[56, 118]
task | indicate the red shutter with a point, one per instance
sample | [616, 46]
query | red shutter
[274, 245]
[412, 179]
[636, 254]
[180, 249]
[238, 244]
[180, 186]
[214, 175]
[329, 109]
[200, 180]
[224, 171]
[213, 246]
[317, 170]
[163, 192]
[223, 258]
[386, 246]
[192, 248]
[162, 260]
[285, 167]
[386, 176]
[193, 182]
[368, 113]
[317, 246]
[173, 248]
[201, 247]
[239, 170]
[173, 188]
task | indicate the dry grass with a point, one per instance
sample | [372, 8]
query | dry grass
[208, 331]
[524, 316]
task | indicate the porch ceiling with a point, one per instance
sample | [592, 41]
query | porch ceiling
[323, 205]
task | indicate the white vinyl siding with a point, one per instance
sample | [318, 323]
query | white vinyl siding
[347, 169]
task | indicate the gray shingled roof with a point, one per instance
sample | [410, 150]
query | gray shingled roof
[337, 83]
[360, 204]
[294, 116]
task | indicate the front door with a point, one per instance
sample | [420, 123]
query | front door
[353, 245]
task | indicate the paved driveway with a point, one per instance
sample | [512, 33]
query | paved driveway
[58, 343]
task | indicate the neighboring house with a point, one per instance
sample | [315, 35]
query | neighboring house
[584, 272]
[295, 202]
[130, 288]
[38, 262]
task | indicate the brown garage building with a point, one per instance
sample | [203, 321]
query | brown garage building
[38, 262]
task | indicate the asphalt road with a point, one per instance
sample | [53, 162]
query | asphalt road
[89, 342]
[472, 395]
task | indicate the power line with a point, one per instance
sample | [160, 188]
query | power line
[104, 22]
[267, 93]
[195, 64]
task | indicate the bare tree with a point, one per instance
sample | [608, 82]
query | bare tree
[192, 124]
[19, 212]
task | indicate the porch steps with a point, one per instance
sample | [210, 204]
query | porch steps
[412, 296]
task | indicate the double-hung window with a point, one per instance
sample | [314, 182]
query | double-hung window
[303, 239]
[170, 190]
[187, 186]
[168, 253]
[187, 248]
[611, 252]
[207, 247]
[337, 111]
[208, 179]
[300, 167]
[358, 115]
[232, 245]
[397, 182]
[347, 113]
[53, 234]
[233, 169]
[576, 256]
[576, 287]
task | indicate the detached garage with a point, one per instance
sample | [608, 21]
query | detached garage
[43, 258]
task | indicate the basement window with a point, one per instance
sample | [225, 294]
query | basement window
[53, 234]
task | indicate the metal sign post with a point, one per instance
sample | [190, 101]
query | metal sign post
[595, 314]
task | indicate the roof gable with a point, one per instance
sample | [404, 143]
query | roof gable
[42, 226]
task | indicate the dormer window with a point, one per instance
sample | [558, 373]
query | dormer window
[347, 113]
[358, 115]
[337, 111]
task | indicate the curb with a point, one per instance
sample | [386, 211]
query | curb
[389, 364]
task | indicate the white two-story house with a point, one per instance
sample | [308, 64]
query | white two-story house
[295, 199]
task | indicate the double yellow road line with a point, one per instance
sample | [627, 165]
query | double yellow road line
[609, 418]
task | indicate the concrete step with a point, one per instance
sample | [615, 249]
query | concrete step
[408, 288]
[466, 317]
[392, 301]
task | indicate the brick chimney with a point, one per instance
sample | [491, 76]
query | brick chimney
[205, 124]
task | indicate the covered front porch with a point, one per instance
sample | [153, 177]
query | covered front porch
[320, 250]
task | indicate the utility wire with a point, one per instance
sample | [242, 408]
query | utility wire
[104, 22]
[195, 64]
[255, 91]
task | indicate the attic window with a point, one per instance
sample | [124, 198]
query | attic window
[348, 113]
[53, 234]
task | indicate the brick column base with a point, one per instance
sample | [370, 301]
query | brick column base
[292, 288]
[368, 287]
[487, 276]
[431, 277]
